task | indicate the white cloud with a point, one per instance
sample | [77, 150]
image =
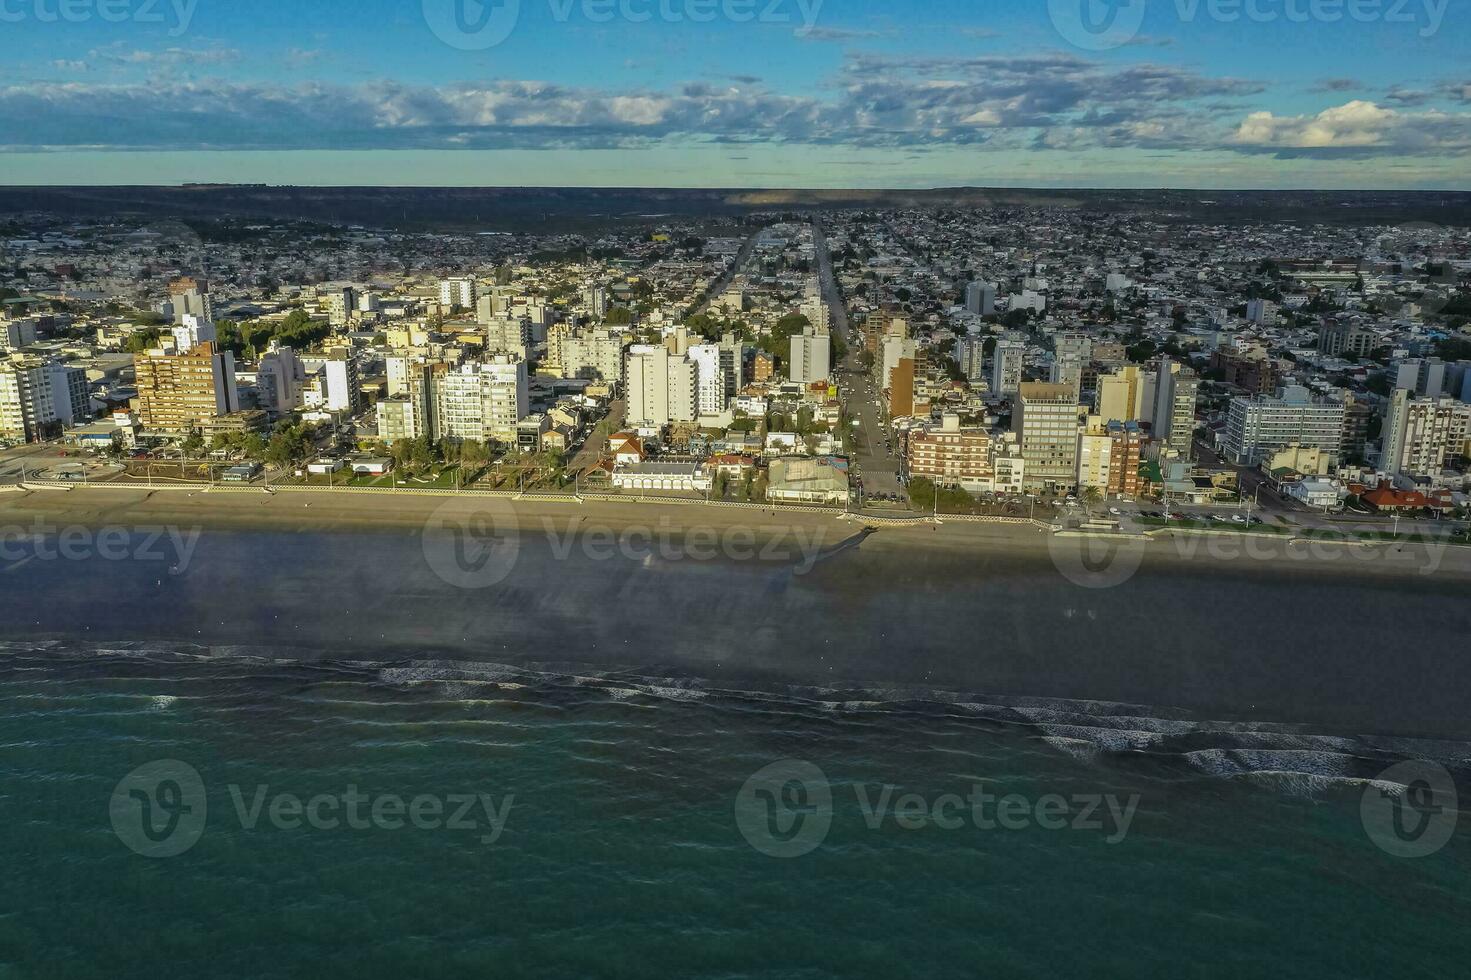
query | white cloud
[1356, 127]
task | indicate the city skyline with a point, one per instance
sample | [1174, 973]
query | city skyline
[1129, 93]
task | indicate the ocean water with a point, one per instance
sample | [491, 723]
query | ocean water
[628, 846]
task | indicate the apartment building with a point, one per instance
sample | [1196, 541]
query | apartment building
[1006, 366]
[481, 400]
[661, 388]
[39, 396]
[1257, 426]
[1046, 422]
[178, 390]
[811, 357]
[1176, 388]
[1423, 435]
[951, 456]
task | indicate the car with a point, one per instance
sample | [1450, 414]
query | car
[1177, 516]
[1238, 519]
[1115, 511]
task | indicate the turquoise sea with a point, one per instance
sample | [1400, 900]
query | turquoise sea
[622, 851]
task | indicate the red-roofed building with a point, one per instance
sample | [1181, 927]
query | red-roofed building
[1387, 500]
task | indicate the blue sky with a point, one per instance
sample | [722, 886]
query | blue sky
[742, 93]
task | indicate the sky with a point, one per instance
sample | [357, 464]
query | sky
[1331, 94]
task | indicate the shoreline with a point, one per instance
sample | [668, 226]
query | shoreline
[1294, 634]
[355, 511]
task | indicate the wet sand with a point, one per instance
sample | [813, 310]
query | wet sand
[1351, 639]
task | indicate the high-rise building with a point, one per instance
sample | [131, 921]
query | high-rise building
[817, 314]
[1176, 388]
[1120, 395]
[660, 388]
[279, 380]
[1258, 426]
[980, 298]
[179, 390]
[1006, 366]
[710, 388]
[190, 297]
[1422, 435]
[1127, 453]
[15, 334]
[342, 384]
[1337, 338]
[1095, 457]
[970, 355]
[1424, 376]
[587, 352]
[39, 396]
[811, 357]
[508, 335]
[951, 456]
[457, 291]
[1046, 421]
[481, 400]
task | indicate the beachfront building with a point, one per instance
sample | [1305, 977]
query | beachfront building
[1423, 435]
[39, 395]
[951, 456]
[807, 481]
[1046, 423]
[666, 475]
[177, 391]
[1126, 449]
[1258, 426]
[481, 400]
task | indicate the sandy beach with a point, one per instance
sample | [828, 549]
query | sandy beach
[1250, 628]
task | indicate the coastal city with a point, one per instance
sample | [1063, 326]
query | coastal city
[1098, 371]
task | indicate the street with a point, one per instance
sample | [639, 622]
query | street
[876, 463]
